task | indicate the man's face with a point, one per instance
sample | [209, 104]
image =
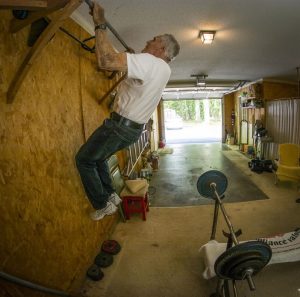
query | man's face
[154, 47]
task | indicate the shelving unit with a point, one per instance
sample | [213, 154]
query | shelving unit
[251, 102]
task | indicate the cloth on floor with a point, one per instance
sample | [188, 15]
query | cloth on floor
[165, 150]
[285, 248]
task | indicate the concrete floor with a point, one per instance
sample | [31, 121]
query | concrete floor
[175, 183]
[160, 257]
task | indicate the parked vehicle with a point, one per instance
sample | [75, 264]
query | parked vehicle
[172, 120]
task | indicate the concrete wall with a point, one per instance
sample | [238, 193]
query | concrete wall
[46, 234]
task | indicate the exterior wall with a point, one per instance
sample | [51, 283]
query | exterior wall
[46, 234]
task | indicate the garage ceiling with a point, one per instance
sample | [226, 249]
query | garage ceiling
[255, 39]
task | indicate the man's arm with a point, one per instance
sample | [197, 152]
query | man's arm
[107, 57]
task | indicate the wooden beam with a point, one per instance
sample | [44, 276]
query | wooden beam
[23, 4]
[16, 25]
[112, 88]
[38, 46]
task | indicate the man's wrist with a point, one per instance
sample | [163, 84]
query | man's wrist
[100, 26]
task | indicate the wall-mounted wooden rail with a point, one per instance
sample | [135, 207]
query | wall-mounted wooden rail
[16, 25]
[41, 42]
[24, 4]
[112, 88]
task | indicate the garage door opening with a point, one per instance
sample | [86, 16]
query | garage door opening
[193, 121]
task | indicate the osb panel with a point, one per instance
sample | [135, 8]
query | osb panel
[274, 90]
[46, 234]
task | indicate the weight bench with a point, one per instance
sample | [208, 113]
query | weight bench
[285, 248]
[234, 260]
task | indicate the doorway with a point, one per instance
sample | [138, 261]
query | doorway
[192, 121]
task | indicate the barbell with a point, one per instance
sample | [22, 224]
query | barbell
[243, 260]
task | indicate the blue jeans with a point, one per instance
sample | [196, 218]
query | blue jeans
[91, 159]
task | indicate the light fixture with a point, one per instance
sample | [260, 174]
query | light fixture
[207, 37]
[200, 79]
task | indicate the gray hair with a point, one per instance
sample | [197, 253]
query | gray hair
[172, 47]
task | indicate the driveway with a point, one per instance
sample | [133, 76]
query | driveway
[194, 132]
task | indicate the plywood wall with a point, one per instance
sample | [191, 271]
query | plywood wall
[46, 234]
[277, 90]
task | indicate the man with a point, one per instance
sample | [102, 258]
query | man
[138, 96]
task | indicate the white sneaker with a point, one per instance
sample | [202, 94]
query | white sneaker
[108, 210]
[115, 199]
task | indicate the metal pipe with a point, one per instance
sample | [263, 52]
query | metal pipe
[298, 81]
[31, 285]
[215, 221]
[234, 239]
[111, 28]
[248, 272]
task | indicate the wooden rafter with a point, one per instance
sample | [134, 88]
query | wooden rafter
[16, 25]
[38, 46]
[24, 4]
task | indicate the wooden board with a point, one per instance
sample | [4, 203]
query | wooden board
[43, 204]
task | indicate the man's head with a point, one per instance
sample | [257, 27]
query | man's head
[164, 46]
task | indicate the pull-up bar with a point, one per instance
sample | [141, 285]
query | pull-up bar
[111, 28]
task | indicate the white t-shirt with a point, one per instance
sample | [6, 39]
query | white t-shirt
[139, 94]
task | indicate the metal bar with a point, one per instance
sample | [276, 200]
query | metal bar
[234, 239]
[34, 286]
[76, 39]
[215, 221]
[111, 28]
[298, 81]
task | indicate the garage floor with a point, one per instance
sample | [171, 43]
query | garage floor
[175, 183]
[160, 257]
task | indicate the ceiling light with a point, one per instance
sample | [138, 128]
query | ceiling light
[207, 37]
[200, 82]
[200, 79]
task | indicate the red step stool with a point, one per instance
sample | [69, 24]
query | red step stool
[135, 202]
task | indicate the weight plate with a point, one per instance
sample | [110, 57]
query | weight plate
[234, 262]
[206, 179]
[95, 273]
[111, 247]
[103, 259]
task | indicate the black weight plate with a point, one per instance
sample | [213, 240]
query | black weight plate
[95, 273]
[209, 177]
[103, 259]
[111, 247]
[233, 263]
